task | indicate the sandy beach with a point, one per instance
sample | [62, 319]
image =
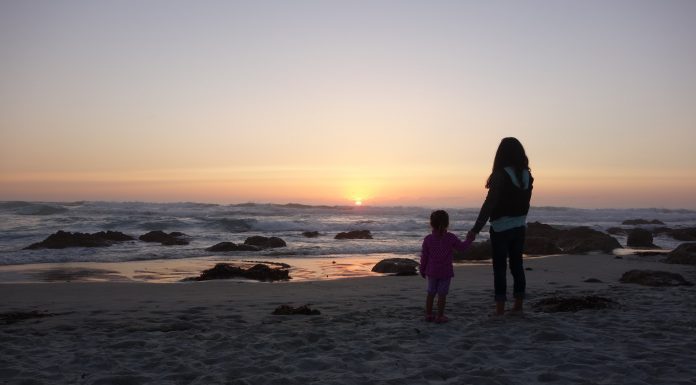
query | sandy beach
[370, 330]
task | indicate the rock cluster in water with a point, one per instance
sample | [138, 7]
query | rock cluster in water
[64, 239]
[642, 222]
[173, 238]
[640, 238]
[355, 234]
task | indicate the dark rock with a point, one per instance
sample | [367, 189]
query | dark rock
[259, 272]
[229, 246]
[640, 238]
[540, 246]
[355, 234]
[654, 278]
[618, 257]
[289, 310]
[115, 236]
[528, 268]
[574, 240]
[616, 231]
[399, 266]
[265, 242]
[684, 254]
[478, 251]
[311, 234]
[686, 234]
[642, 222]
[572, 304]
[173, 238]
[64, 239]
[592, 280]
[279, 264]
[585, 239]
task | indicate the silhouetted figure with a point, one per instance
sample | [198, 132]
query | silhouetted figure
[436, 263]
[507, 204]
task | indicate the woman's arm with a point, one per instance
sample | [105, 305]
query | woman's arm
[492, 199]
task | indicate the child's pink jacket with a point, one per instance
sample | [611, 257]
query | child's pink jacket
[436, 257]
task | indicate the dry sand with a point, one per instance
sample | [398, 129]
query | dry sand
[370, 331]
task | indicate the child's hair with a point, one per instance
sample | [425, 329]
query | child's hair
[439, 221]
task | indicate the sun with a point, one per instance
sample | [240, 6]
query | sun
[358, 202]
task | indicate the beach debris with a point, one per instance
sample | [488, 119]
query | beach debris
[593, 280]
[640, 238]
[12, 317]
[654, 278]
[229, 246]
[355, 234]
[173, 238]
[558, 304]
[684, 254]
[265, 242]
[63, 239]
[398, 266]
[528, 268]
[642, 222]
[618, 257]
[574, 240]
[311, 234]
[259, 272]
[289, 310]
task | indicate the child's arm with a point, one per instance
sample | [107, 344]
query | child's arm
[462, 245]
[425, 256]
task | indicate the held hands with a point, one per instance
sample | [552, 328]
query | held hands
[471, 236]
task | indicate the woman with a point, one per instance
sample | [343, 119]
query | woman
[507, 204]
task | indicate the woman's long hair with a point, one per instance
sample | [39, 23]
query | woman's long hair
[510, 154]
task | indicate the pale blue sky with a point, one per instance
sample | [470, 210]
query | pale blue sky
[379, 95]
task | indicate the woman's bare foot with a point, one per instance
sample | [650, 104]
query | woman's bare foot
[499, 307]
[517, 307]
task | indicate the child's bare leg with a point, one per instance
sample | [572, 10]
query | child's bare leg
[441, 299]
[429, 304]
[518, 304]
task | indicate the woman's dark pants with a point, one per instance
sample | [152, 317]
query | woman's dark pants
[506, 245]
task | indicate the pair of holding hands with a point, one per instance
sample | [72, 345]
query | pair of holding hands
[471, 236]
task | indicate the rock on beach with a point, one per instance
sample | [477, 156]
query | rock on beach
[398, 266]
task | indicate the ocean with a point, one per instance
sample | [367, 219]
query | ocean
[397, 231]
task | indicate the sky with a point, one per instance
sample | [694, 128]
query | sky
[333, 102]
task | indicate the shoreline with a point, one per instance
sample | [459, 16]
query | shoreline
[158, 271]
[370, 330]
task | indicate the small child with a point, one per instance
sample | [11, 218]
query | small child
[436, 263]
